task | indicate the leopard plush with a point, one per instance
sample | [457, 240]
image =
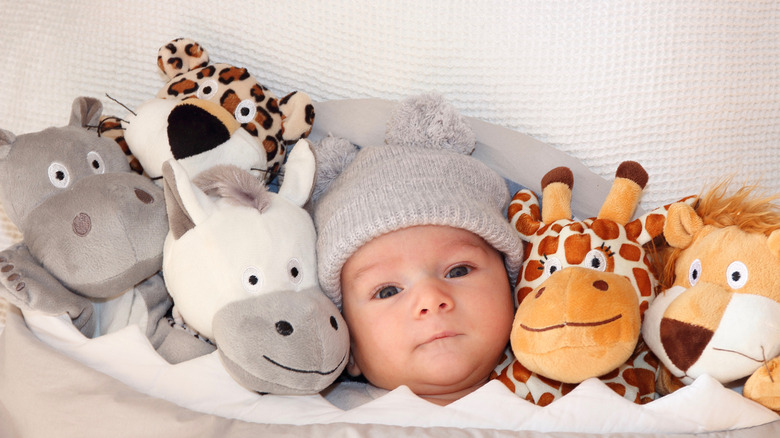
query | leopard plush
[232, 109]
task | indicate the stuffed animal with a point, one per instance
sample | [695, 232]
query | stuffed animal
[582, 291]
[720, 313]
[240, 264]
[209, 114]
[93, 230]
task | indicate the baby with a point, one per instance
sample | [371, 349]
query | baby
[414, 248]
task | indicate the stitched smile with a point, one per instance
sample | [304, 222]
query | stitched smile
[295, 370]
[571, 324]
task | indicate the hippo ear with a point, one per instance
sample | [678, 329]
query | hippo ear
[299, 172]
[186, 204]
[85, 112]
[7, 138]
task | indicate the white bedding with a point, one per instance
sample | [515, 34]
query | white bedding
[203, 385]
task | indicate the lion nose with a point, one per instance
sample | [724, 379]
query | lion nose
[683, 342]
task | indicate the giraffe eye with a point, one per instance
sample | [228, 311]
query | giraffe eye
[595, 259]
[551, 266]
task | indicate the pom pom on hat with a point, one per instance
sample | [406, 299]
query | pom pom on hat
[428, 121]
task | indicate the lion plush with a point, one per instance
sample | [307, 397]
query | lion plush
[720, 312]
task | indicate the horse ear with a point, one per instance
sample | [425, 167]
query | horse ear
[299, 172]
[187, 206]
[682, 225]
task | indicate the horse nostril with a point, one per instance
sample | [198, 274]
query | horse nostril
[601, 285]
[334, 323]
[82, 224]
[144, 196]
[284, 328]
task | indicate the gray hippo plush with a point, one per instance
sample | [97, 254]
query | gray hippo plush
[93, 233]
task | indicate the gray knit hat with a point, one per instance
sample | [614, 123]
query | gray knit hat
[422, 176]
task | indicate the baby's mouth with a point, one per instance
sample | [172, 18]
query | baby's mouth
[440, 335]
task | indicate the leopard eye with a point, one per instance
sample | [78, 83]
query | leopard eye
[245, 111]
[208, 89]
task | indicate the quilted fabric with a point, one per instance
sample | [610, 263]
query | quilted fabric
[689, 89]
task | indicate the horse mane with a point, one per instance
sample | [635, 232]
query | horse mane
[234, 184]
[746, 208]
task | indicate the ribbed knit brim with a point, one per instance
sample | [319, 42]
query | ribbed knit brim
[388, 188]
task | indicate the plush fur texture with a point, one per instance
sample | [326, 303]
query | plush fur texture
[582, 291]
[719, 313]
[240, 265]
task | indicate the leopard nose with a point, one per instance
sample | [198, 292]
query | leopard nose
[683, 342]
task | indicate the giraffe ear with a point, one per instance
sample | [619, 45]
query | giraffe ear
[524, 213]
[682, 225]
[557, 185]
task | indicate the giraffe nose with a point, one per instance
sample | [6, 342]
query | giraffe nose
[683, 342]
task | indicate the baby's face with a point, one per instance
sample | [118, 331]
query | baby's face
[429, 307]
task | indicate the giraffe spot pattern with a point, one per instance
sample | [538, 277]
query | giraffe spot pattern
[576, 247]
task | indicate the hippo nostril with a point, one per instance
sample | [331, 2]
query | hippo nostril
[601, 285]
[284, 328]
[82, 224]
[144, 196]
[334, 323]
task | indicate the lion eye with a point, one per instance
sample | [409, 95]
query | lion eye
[736, 275]
[694, 272]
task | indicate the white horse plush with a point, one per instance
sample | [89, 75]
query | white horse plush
[239, 262]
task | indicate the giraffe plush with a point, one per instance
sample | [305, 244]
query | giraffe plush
[582, 291]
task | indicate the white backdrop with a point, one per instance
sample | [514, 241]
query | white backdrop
[689, 89]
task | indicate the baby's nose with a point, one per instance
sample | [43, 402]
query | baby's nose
[433, 298]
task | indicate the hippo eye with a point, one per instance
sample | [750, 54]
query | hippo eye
[59, 175]
[737, 275]
[96, 163]
[252, 280]
[294, 271]
[208, 89]
[595, 259]
[550, 265]
[245, 111]
[694, 272]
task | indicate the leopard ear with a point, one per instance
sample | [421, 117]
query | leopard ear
[180, 56]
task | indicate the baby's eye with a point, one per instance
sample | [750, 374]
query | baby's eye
[387, 292]
[458, 271]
